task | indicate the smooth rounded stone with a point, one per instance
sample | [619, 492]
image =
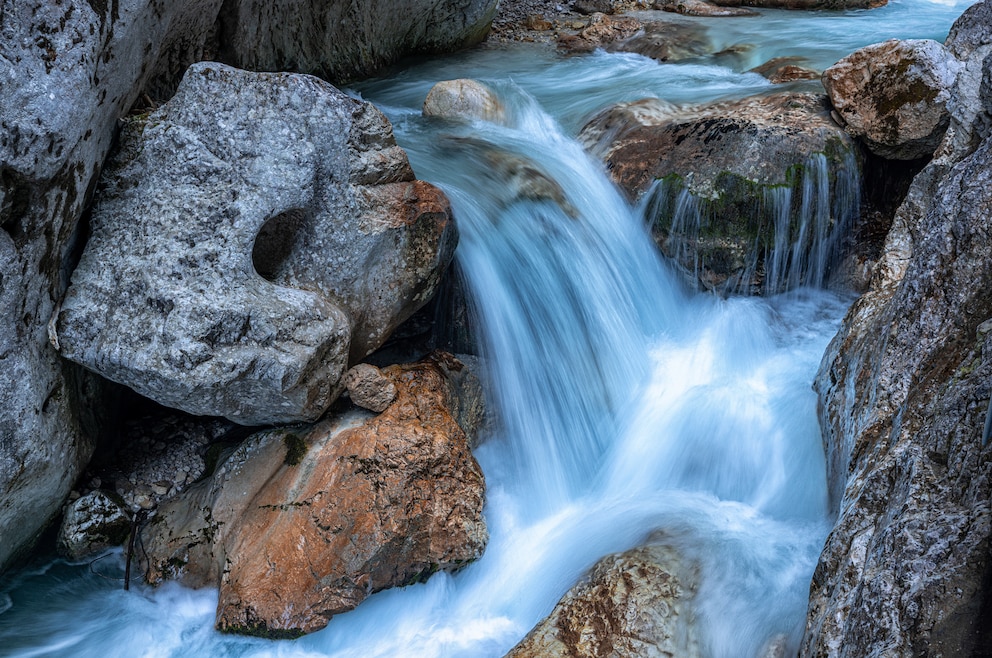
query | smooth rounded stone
[240, 175]
[701, 8]
[637, 604]
[92, 524]
[785, 69]
[300, 524]
[463, 99]
[68, 71]
[894, 95]
[342, 41]
[719, 175]
[369, 388]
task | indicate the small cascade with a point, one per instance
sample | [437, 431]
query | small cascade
[764, 239]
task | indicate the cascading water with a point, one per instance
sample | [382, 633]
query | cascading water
[629, 406]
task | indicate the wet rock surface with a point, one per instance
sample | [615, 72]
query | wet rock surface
[904, 399]
[635, 604]
[341, 509]
[729, 174]
[894, 96]
[69, 71]
[242, 174]
[93, 523]
[463, 99]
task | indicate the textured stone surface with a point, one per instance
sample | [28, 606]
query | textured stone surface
[240, 172]
[729, 174]
[904, 394]
[894, 95]
[463, 99]
[338, 510]
[637, 604]
[369, 388]
[93, 523]
[785, 69]
[346, 40]
[68, 71]
[602, 29]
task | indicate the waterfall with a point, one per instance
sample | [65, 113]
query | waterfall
[630, 407]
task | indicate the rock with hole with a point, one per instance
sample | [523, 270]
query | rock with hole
[249, 239]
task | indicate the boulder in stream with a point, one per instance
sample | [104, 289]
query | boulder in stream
[93, 523]
[463, 99]
[303, 523]
[745, 195]
[250, 238]
[894, 95]
[631, 605]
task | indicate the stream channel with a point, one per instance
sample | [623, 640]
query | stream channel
[631, 407]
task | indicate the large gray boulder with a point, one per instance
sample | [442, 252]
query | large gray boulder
[345, 40]
[904, 405]
[166, 298]
[68, 71]
[894, 95]
[746, 194]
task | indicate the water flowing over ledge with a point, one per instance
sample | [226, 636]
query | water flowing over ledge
[629, 406]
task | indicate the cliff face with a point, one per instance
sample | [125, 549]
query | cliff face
[68, 72]
[904, 397]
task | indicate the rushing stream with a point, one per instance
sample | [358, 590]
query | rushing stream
[630, 406]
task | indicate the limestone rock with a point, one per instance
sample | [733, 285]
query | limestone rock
[68, 71]
[242, 174]
[894, 95]
[637, 604]
[701, 8]
[93, 523]
[904, 398]
[345, 40]
[594, 6]
[732, 179]
[336, 511]
[369, 388]
[463, 99]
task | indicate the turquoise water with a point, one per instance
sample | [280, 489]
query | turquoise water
[629, 404]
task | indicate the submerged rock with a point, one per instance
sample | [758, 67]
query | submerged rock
[894, 95]
[93, 523]
[804, 4]
[904, 392]
[748, 192]
[785, 69]
[667, 41]
[463, 99]
[243, 174]
[300, 524]
[637, 604]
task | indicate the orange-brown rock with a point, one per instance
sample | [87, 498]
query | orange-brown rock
[667, 41]
[632, 604]
[301, 524]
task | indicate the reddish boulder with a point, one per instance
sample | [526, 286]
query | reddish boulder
[301, 524]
